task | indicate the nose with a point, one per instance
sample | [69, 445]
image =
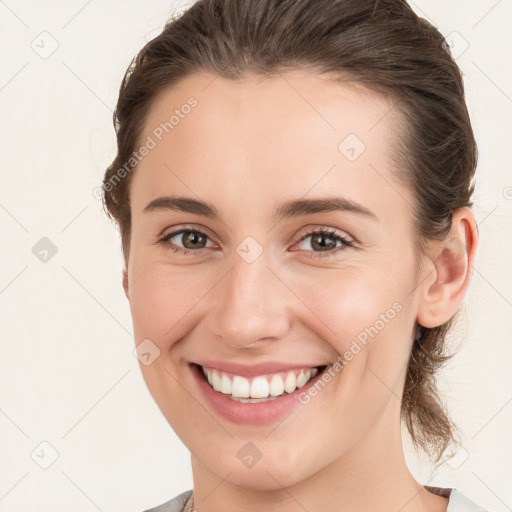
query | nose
[250, 304]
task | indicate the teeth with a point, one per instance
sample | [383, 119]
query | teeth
[302, 378]
[290, 384]
[241, 387]
[225, 384]
[254, 400]
[259, 388]
[276, 386]
[216, 381]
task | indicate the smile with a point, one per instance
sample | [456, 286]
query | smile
[259, 394]
[261, 388]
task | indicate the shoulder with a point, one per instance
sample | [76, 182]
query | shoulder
[174, 505]
[457, 501]
[461, 503]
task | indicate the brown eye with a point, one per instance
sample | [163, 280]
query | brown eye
[324, 241]
[193, 240]
[185, 240]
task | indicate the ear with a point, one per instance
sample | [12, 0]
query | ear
[125, 283]
[451, 264]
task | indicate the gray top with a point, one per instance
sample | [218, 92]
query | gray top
[457, 501]
[175, 505]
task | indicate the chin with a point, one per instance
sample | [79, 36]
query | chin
[278, 467]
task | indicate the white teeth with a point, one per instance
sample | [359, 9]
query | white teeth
[259, 388]
[302, 378]
[290, 384]
[254, 400]
[225, 384]
[276, 387]
[241, 387]
[216, 380]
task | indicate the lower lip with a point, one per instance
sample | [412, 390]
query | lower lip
[261, 413]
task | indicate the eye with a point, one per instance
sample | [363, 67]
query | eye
[326, 242]
[193, 240]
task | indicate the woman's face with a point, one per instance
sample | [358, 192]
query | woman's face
[257, 293]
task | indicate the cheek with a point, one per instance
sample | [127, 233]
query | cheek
[163, 302]
[363, 314]
[163, 299]
[347, 302]
[342, 305]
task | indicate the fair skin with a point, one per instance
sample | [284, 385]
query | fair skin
[247, 147]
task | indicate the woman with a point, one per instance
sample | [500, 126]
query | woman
[293, 188]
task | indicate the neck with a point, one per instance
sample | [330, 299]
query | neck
[371, 476]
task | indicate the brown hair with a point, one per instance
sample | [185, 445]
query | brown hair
[383, 45]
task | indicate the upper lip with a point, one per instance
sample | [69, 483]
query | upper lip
[245, 370]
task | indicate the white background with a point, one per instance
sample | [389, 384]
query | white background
[68, 375]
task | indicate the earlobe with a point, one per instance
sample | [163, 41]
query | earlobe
[125, 284]
[452, 260]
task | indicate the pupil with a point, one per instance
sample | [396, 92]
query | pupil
[323, 245]
[193, 238]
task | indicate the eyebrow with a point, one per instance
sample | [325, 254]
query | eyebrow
[288, 209]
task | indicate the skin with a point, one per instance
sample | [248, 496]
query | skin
[248, 146]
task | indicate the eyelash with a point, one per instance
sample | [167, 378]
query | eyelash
[328, 232]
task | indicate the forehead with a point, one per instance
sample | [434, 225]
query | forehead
[289, 133]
